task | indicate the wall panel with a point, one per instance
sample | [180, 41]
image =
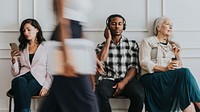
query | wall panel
[184, 14]
[44, 14]
[25, 10]
[134, 11]
[9, 15]
[139, 14]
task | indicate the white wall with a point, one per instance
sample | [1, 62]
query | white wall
[139, 15]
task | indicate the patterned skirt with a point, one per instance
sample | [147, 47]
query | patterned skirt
[170, 91]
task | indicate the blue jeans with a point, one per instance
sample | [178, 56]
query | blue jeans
[24, 87]
[133, 90]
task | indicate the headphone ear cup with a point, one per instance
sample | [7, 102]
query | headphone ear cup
[124, 28]
[108, 26]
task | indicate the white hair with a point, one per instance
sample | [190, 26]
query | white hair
[157, 23]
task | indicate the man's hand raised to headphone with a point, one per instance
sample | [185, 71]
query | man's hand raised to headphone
[107, 34]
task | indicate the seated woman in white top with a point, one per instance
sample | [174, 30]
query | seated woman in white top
[168, 86]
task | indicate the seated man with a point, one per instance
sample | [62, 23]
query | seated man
[121, 66]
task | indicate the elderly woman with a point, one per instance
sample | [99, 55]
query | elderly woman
[168, 86]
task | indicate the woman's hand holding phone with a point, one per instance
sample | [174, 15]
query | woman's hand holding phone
[14, 52]
[15, 55]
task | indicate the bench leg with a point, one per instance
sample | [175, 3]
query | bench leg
[10, 104]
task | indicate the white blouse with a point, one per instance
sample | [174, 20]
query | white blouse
[77, 10]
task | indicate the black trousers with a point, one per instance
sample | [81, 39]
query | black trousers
[70, 95]
[75, 27]
[133, 90]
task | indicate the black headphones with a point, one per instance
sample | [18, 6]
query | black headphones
[113, 16]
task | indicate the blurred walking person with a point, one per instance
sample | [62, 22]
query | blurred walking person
[70, 92]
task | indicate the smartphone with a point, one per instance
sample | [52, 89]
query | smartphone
[14, 47]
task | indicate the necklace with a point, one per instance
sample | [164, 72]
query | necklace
[161, 44]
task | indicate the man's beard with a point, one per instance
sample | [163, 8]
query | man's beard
[114, 33]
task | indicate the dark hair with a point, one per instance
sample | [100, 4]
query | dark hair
[22, 39]
[113, 16]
